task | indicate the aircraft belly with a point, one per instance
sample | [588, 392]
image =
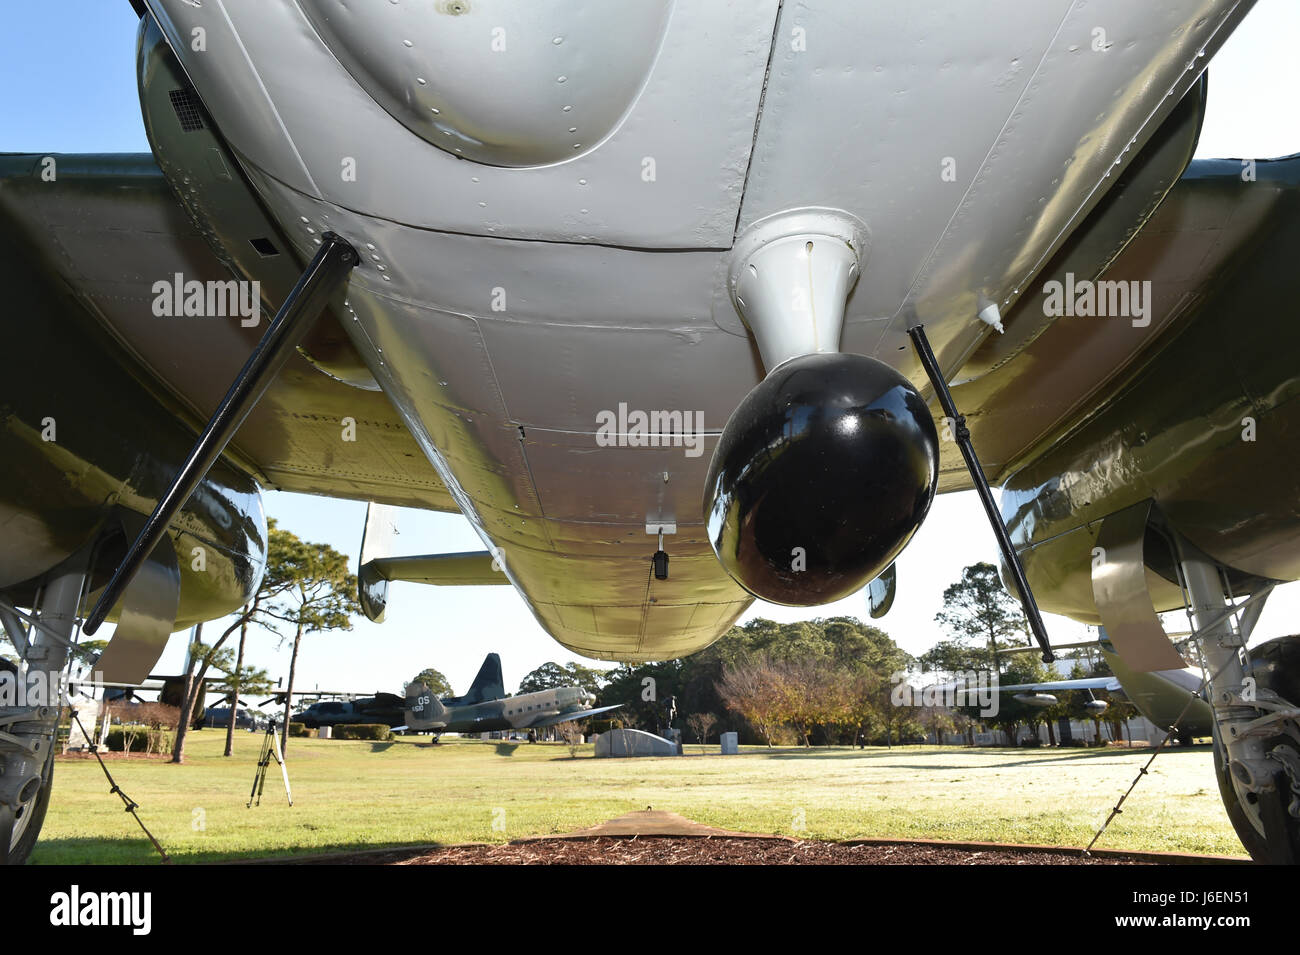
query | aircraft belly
[502, 352]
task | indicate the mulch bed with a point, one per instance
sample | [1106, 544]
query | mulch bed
[664, 850]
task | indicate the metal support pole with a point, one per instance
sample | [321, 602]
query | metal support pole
[962, 435]
[1225, 669]
[324, 275]
[14, 629]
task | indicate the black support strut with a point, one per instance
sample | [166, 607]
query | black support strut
[962, 435]
[334, 260]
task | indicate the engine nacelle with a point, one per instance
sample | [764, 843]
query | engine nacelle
[821, 477]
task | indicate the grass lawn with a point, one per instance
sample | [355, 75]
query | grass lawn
[350, 795]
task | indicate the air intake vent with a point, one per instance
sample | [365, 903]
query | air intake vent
[187, 109]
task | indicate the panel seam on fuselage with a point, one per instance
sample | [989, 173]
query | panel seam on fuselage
[270, 102]
[758, 119]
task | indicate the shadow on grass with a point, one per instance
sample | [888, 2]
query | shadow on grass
[381, 747]
[1023, 752]
[95, 852]
[506, 749]
[140, 852]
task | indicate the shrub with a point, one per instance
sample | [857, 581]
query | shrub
[136, 737]
[299, 729]
[371, 731]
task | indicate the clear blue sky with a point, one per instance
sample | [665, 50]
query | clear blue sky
[69, 72]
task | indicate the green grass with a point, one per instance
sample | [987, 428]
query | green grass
[351, 795]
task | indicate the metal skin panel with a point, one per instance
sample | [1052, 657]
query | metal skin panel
[1163, 696]
[508, 109]
[1039, 124]
[109, 230]
[694, 115]
[881, 592]
[1036, 119]
[1119, 589]
[1176, 429]
[146, 616]
[59, 496]
[205, 179]
[1017, 389]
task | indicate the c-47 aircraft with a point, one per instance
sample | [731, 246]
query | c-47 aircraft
[486, 708]
[680, 303]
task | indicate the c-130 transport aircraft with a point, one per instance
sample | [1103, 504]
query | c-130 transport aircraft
[681, 303]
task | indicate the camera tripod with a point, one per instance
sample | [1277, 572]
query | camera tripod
[270, 750]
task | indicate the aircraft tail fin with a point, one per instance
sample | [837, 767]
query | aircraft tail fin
[488, 685]
[423, 709]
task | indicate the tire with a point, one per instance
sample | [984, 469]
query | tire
[1275, 665]
[20, 851]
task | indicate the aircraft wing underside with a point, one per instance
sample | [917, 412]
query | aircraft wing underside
[568, 717]
[105, 231]
[1087, 683]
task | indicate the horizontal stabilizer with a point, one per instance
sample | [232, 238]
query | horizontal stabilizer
[468, 568]
[379, 565]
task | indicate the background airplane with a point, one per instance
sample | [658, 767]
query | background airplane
[486, 708]
[1173, 700]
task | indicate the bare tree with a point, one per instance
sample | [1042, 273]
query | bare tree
[571, 733]
[749, 687]
[701, 725]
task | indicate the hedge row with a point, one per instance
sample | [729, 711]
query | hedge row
[372, 731]
[117, 740]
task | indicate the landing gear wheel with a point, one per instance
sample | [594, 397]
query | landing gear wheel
[1275, 666]
[19, 829]
[31, 730]
[27, 821]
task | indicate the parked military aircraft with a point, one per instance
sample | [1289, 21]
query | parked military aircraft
[681, 303]
[381, 708]
[1174, 699]
[486, 708]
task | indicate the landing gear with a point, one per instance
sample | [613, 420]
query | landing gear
[1256, 718]
[28, 818]
[27, 731]
[1268, 822]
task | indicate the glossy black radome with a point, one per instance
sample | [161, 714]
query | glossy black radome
[822, 475]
